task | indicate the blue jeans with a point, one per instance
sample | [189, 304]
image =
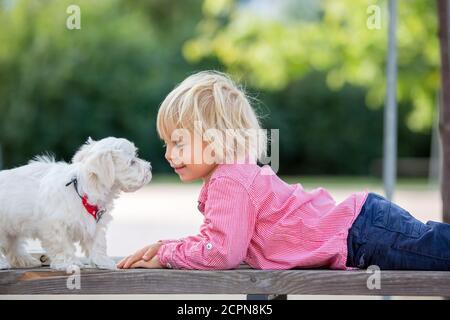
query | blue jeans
[387, 236]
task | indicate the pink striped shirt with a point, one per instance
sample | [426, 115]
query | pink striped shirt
[252, 216]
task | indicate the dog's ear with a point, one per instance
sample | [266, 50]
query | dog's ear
[84, 151]
[100, 169]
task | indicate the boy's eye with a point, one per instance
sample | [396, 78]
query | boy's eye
[178, 144]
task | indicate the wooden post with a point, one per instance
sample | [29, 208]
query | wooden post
[267, 297]
[390, 109]
[444, 119]
[1, 158]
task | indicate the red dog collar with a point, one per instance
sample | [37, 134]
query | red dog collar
[93, 210]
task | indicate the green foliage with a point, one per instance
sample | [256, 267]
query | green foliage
[59, 86]
[329, 132]
[332, 37]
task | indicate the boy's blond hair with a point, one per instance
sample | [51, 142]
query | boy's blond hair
[211, 100]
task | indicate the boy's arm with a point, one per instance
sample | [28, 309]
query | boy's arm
[169, 241]
[224, 236]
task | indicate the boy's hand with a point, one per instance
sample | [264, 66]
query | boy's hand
[145, 254]
[152, 264]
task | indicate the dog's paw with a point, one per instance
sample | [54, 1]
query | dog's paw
[65, 264]
[24, 261]
[103, 262]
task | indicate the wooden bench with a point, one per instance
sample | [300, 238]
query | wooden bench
[257, 284]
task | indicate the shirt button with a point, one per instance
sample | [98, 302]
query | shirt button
[168, 265]
[209, 246]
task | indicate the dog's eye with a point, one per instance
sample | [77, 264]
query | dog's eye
[132, 162]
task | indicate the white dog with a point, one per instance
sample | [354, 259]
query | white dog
[61, 203]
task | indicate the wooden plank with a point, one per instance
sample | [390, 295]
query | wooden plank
[240, 281]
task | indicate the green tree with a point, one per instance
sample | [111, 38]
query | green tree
[326, 36]
[59, 86]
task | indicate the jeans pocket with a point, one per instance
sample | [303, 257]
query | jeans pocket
[392, 217]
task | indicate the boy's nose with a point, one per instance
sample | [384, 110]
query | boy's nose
[167, 154]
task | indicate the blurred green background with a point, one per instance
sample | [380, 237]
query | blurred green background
[315, 70]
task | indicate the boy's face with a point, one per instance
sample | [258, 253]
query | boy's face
[185, 155]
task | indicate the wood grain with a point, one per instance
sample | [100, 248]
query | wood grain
[239, 281]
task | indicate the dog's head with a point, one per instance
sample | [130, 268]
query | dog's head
[113, 162]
